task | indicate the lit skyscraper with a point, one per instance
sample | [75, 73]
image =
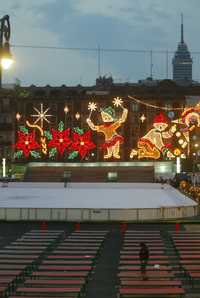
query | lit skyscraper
[182, 61]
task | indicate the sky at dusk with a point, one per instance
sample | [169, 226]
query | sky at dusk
[108, 24]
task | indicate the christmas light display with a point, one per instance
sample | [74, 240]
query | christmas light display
[26, 144]
[59, 140]
[75, 142]
[42, 137]
[138, 101]
[109, 129]
[117, 101]
[152, 145]
[81, 143]
[92, 106]
[188, 121]
[190, 118]
[66, 109]
[143, 118]
[77, 116]
[41, 115]
[168, 138]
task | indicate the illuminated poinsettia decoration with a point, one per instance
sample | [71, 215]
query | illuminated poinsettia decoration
[75, 143]
[26, 143]
[81, 143]
[60, 140]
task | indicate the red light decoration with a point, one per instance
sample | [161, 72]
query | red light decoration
[82, 143]
[26, 142]
[60, 140]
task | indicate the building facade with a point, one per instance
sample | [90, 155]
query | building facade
[107, 122]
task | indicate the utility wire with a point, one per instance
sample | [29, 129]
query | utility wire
[89, 49]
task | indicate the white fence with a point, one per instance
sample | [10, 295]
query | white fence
[100, 215]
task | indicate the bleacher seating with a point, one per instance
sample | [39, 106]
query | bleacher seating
[187, 245]
[65, 268]
[56, 264]
[159, 279]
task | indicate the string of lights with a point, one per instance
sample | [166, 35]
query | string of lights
[155, 106]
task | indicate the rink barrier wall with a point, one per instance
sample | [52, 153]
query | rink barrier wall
[96, 215]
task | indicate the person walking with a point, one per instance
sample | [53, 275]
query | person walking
[144, 258]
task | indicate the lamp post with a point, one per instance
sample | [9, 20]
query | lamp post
[194, 162]
[5, 55]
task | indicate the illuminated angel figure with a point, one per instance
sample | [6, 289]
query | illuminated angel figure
[152, 144]
[108, 128]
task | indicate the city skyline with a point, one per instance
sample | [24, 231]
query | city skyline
[110, 24]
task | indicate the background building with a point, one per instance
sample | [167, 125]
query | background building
[182, 61]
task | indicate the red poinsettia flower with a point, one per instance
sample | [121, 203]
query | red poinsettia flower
[82, 143]
[26, 142]
[60, 140]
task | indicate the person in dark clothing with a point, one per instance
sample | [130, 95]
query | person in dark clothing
[144, 257]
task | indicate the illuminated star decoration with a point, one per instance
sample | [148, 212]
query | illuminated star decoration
[41, 115]
[92, 106]
[143, 118]
[117, 101]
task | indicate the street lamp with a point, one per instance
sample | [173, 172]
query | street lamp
[194, 161]
[5, 54]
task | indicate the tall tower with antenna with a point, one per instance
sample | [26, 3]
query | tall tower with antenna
[182, 61]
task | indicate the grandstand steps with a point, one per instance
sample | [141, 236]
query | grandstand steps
[105, 277]
[173, 256]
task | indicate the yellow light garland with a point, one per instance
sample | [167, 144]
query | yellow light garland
[154, 106]
[42, 137]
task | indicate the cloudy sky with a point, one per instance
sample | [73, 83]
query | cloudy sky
[108, 24]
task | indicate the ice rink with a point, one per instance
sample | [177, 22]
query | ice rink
[91, 195]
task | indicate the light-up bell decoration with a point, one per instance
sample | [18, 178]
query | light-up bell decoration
[77, 116]
[18, 116]
[66, 109]
[143, 118]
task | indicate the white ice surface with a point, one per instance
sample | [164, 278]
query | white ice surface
[91, 195]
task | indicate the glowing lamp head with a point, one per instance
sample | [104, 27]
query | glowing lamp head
[61, 140]
[6, 63]
[82, 143]
[7, 59]
[26, 143]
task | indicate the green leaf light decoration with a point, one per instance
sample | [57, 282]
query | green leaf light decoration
[18, 154]
[35, 154]
[61, 126]
[73, 155]
[48, 135]
[23, 129]
[80, 131]
[52, 152]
